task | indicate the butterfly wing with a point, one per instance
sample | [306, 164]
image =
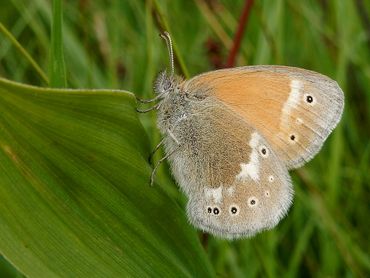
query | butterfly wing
[235, 183]
[294, 109]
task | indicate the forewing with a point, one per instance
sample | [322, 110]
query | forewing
[294, 109]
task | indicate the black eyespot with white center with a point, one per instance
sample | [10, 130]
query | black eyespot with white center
[209, 210]
[252, 202]
[264, 151]
[309, 99]
[234, 210]
[216, 211]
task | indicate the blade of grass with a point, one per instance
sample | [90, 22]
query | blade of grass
[164, 26]
[214, 24]
[23, 52]
[299, 251]
[57, 72]
[239, 33]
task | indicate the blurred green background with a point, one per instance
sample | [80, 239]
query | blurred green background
[115, 44]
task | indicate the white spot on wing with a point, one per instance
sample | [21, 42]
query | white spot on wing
[292, 101]
[251, 169]
[254, 140]
[216, 194]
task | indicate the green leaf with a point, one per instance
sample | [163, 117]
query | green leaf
[75, 199]
[7, 270]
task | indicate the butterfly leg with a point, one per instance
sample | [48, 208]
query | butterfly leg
[161, 143]
[155, 150]
[152, 176]
[155, 107]
[151, 99]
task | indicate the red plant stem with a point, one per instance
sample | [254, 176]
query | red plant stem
[239, 33]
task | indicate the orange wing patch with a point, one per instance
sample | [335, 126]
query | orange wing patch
[274, 100]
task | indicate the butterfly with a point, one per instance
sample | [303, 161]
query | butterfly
[231, 135]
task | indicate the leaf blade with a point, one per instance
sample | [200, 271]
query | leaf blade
[74, 183]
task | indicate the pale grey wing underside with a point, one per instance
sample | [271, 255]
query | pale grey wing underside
[258, 197]
[235, 183]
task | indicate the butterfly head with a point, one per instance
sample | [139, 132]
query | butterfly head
[165, 84]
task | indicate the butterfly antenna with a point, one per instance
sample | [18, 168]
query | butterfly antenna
[166, 36]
